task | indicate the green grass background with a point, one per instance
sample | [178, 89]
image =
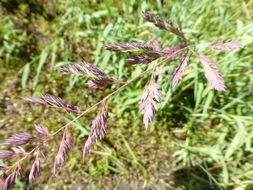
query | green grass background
[200, 139]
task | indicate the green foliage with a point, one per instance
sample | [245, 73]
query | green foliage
[208, 133]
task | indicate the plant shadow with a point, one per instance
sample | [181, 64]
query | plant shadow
[194, 178]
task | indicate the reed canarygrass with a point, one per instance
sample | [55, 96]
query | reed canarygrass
[140, 53]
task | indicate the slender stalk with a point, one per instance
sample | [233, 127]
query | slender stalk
[20, 160]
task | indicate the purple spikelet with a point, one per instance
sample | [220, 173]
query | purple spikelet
[129, 47]
[9, 180]
[180, 70]
[19, 151]
[102, 82]
[6, 154]
[150, 96]
[58, 102]
[98, 130]
[174, 50]
[94, 70]
[53, 101]
[16, 151]
[65, 146]
[157, 21]
[43, 130]
[43, 152]
[35, 100]
[19, 139]
[225, 45]
[4, 167]
[165, 25]
[35, 172]
[99, 77]
[20, 170]
[145, 58]
[213, 76]
[83, 68]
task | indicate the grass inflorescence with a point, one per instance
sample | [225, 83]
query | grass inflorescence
[200, 139]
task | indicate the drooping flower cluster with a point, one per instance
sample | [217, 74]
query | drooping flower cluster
[16, 151]
[10, 180]
[226, 44]
[43, 130]
[180, 70]
[22, 139]
[151, 95]
[35, 171]
[213, 76]
[99, 77]
[97, 131]
[52, 101]
[129, 47]
[6, 153]
[18, 139]
[165, 25]
[147, 56]
[65, 146]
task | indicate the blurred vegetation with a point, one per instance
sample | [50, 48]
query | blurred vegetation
[201, 138]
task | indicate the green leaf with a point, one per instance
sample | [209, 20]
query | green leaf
[238, 139]
[25, 75]
[43, 57]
